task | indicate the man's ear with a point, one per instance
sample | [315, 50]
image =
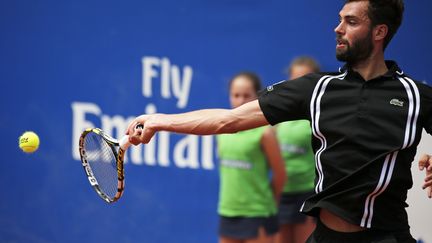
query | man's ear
[380, 32]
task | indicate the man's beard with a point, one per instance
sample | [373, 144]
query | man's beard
[360, 50]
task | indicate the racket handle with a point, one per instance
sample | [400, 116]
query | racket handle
[124, 142]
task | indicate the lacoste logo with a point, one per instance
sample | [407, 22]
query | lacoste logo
[397, 102]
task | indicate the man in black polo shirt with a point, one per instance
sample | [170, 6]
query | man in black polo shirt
[366, 120]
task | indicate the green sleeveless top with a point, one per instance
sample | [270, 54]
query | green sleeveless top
[245, 188]
[295, 142]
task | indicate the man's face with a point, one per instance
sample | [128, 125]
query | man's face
[354, 33]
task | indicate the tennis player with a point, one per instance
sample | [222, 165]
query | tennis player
[247, 197]
[366, 121]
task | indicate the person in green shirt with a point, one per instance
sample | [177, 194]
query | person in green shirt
[295, 143]
[252, 175]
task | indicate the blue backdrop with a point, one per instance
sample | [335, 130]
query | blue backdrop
[67, 65]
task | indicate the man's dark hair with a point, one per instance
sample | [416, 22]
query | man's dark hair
[388, 12]
[253, 77]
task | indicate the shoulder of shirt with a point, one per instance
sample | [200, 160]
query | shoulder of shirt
[425, 91]
[314, 77]
[329, 73]
[319, 75]
[422, 84]
[310, 79]
[424, 88]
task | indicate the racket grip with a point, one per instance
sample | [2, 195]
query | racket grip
[124, 142]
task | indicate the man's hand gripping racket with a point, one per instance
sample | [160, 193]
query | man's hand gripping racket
[102, 158]
[143, 135]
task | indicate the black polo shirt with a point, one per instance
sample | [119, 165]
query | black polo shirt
[365, 135]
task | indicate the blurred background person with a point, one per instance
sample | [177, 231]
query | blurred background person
[295, 142]
[248, 198]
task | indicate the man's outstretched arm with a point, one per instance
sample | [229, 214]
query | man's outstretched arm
[200, 122]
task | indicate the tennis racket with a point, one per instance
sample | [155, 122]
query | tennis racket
[102, 158]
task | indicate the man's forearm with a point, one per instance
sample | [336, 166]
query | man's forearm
[199, 122]
[210, 121]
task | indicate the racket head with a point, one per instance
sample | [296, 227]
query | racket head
[102, 163]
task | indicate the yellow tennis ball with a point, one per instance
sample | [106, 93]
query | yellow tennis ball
[29, 142]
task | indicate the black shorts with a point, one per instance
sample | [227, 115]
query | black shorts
[246, 227]
[323, 234]
[289, 207]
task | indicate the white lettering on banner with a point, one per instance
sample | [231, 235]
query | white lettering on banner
[185, 152]
[163, 158]
[207, 152]
[173, 82]
[148, 74]
[79, 123]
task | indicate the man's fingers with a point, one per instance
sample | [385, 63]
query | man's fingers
[139, 131]
[133, 125]
[134, 134]
[130, 130]
[428, 177]
[427, 184]
[146, 135]
[424, 161]
[429, 168]
[138, 136]
[127, 129]
[133, 140]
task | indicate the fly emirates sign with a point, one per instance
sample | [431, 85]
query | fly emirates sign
[165, 149]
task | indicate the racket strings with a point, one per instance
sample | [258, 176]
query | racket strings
[103, 163]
